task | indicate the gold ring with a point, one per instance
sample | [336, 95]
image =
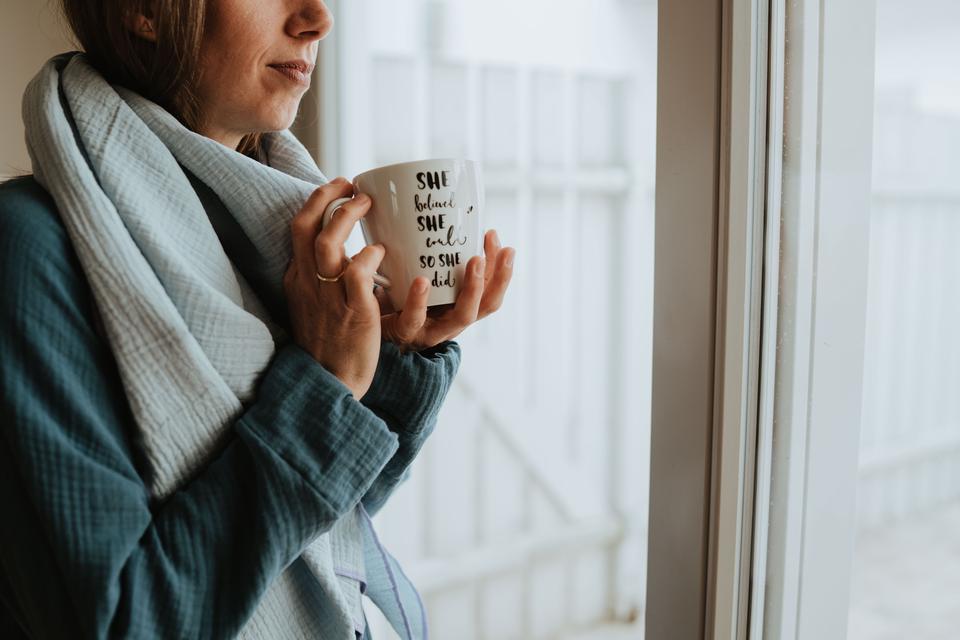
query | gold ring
[334, 279]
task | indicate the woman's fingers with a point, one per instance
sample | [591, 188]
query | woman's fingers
[479, 296]
[491, 247]
[329, 242]
[359, 279]
[496, 287]
[305, 226]
[464, 311]
[407, 324]
[345, 217]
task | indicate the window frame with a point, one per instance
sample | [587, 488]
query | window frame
[814, 435]
[710, 244]
[757, 387]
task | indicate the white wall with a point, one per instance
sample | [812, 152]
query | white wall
[30, 33]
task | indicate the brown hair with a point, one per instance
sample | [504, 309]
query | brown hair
[165, 71]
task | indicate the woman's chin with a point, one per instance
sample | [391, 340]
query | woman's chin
[279, 120]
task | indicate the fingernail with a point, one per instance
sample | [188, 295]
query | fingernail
[496, 240]
[362, 198]
[509, 260]
[420, 287]
[478, 270]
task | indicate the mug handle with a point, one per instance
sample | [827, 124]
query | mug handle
[331, 209]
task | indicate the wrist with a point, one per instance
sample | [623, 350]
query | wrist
[357, 387]
[409, 388]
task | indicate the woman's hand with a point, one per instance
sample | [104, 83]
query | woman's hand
[487, 278]
[338, 323]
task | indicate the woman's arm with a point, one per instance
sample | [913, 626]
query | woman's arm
[84, 550]
[407, 392]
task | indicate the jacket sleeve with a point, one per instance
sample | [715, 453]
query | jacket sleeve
[84, 550]
[407, 393]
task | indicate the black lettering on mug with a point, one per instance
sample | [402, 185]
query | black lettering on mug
[433, 179]
[449, 259]
[445, 280]
[431, 223]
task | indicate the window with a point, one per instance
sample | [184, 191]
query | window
[863, 438]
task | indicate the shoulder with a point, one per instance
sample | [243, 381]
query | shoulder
[29, 223]
[38, 265]
[24, 202]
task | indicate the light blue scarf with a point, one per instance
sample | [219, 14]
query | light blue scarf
[190, 336]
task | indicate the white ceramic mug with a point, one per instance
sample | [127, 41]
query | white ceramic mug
[427, 215]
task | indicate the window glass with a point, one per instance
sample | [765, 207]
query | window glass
[907, 557]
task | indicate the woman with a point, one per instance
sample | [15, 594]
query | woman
[196, 427]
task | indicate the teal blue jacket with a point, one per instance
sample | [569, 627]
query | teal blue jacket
[84, 550]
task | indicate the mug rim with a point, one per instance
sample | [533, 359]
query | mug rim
[400, 165]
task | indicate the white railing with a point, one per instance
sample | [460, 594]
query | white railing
[910, 426]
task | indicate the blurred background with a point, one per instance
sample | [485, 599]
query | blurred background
[30, 33]
[907, 557]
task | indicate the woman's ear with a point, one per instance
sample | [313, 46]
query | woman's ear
[140, 26]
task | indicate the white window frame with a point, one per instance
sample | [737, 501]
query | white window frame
[812, 435]
[711, 203]
[760, 301]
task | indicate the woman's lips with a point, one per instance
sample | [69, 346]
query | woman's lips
[293, 73]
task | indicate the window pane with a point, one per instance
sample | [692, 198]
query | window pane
[907, 557]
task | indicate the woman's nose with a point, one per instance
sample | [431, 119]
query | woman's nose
[309, 20]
